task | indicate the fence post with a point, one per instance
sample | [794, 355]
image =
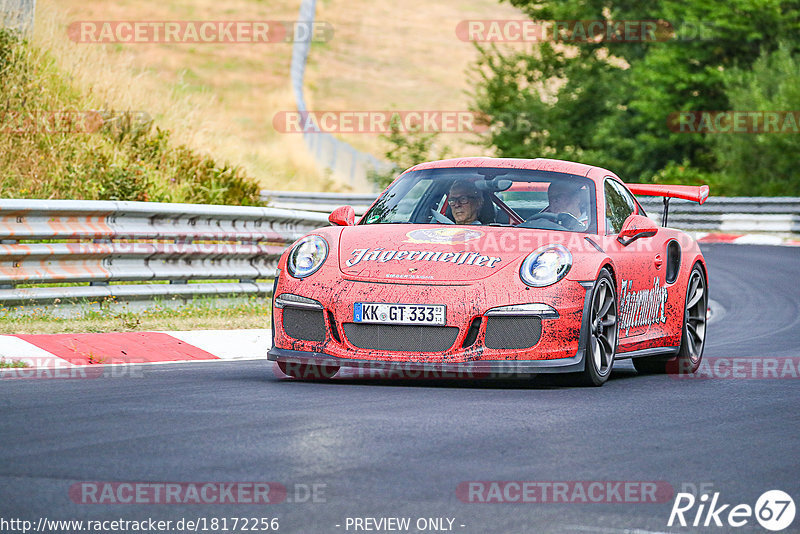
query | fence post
[300, 51]
[18, 15]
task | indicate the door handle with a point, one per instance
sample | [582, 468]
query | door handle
[658, 260]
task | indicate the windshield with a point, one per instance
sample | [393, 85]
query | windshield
[489, 196]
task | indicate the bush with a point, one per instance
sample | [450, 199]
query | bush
[124, 158]
[764, 163]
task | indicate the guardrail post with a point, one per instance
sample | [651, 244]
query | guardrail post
[18, 14]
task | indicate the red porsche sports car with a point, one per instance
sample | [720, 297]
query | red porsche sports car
[498, 266]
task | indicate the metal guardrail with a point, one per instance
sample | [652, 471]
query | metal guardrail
[230, 250]
[767, 215]
[773, 215]
[61, 241]
[319, 202]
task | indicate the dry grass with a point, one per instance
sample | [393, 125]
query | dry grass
[217, 98]
[221, 99]
[399, 57]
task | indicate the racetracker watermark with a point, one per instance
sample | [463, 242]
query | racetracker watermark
[525, 240]
[51, 122]
[732, 122]
[745, 368]
[581, 31]
[565, 491]
[70, 121]
[258, 493]
[199, 32]
[58, 369]
[380, 122]
[321, 369]
[208, 244]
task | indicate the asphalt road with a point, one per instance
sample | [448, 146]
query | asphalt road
[378, 448]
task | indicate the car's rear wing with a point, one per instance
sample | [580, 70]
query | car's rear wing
[697, 194]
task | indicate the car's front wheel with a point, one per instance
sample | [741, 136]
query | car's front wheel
[308, 371]
[601, 335]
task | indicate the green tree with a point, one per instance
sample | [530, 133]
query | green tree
[607, 102]
[762, 163]
[405, 150]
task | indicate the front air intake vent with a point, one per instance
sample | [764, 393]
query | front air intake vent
[401, 338]
[304, 324]
[472, 333]
[334, 329]
[512, 332]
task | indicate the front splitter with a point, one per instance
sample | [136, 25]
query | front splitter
[476, 368]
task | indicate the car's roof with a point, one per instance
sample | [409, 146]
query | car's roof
[539, 164]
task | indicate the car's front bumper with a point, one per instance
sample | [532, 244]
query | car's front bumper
[468, 369]
[322, 323]
[553, 354]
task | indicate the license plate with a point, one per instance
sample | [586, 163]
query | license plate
[372, 312]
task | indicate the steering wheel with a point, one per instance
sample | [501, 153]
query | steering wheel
[552, 217]
[569, 221]
[566, 220]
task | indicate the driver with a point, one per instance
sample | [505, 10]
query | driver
[465, 202]
[565, 197]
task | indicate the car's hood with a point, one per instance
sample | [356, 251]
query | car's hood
[432, 253]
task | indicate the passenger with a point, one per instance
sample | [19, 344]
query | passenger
[565, 197]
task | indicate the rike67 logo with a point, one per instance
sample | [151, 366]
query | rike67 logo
[774, 510]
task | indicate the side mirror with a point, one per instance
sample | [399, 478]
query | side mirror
[344, 216]
[636, 226]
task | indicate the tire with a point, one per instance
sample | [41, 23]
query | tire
[601, 332]
[308, 371]
[693, 337]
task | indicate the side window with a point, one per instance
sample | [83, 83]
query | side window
[619, 205]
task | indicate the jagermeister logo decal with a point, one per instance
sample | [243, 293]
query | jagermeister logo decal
[381, 255]
[643, 307]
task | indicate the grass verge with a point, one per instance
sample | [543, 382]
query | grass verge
[108, 316]
[12, 364]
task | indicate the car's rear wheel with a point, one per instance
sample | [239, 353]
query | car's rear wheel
[308, 371]
[601, 335]
[693, 338]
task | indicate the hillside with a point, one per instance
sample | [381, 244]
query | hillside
[220, 99]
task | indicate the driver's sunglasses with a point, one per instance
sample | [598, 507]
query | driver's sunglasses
[463, 199]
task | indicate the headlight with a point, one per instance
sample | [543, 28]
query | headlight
[307, 256]
[546, 265]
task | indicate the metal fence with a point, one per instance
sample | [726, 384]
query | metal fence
[197, 250]
[344, 161]
[770, 215]
[319, 202]
[18, 14]
[232, 250]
